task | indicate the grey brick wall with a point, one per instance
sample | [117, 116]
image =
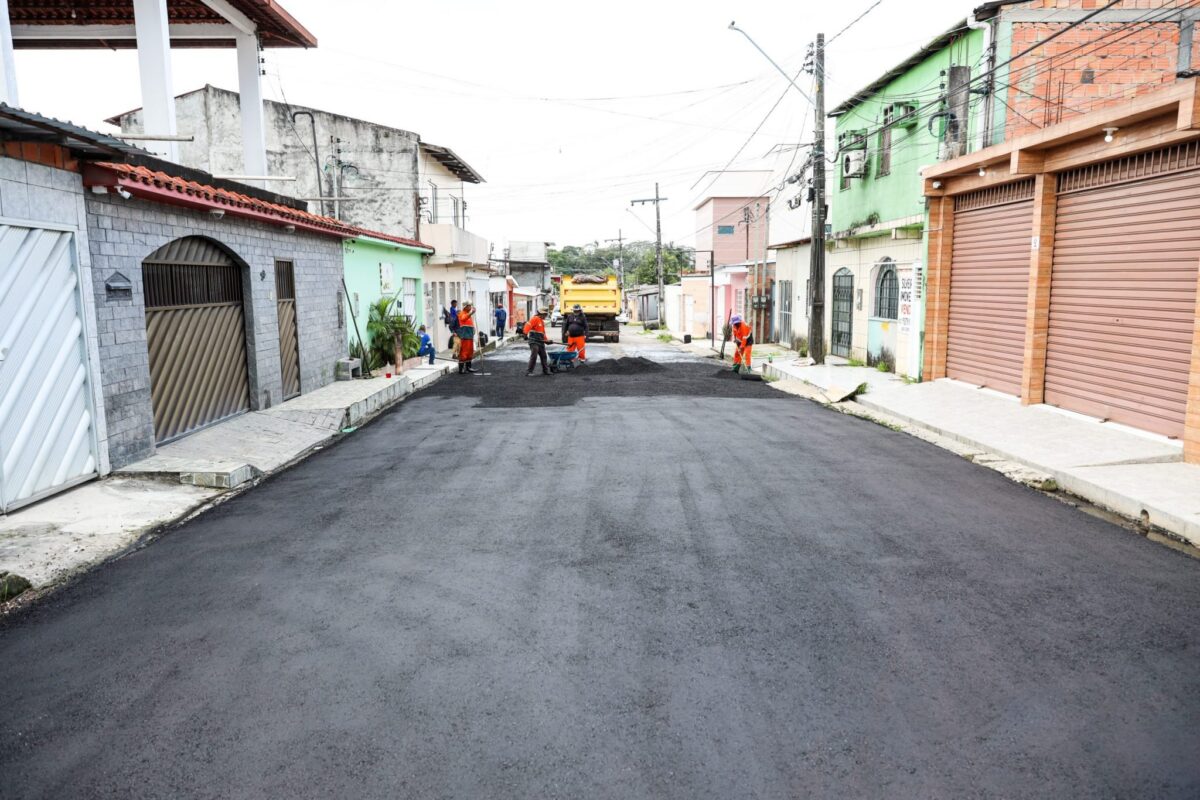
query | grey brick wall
[121, 233]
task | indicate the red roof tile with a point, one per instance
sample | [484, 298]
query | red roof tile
[159, 186]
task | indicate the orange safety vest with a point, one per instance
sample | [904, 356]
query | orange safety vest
[535, 324]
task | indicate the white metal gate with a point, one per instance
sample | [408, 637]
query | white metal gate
[47, 428]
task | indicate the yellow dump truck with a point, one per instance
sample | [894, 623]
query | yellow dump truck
[600, 299]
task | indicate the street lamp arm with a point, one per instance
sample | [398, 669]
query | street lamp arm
[733, 27]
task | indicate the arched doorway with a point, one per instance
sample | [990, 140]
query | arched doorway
[843, 312]
[195, 333]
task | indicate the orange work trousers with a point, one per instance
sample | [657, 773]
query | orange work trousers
[466, 349]
[577, 344]
[742, 355]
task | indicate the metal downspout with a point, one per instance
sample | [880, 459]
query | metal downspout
[989, 49]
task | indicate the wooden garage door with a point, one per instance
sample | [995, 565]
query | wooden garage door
[1123, 296]
[989, 284]
[195, 333]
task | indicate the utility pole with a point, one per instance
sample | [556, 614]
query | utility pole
[620, 240]
[816, 268]
[336, 144]
[657, 243]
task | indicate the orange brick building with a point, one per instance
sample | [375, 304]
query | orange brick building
[1134, 47]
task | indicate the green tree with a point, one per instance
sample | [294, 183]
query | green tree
[676, 261]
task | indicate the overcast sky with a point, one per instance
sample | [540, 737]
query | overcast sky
[515, 88]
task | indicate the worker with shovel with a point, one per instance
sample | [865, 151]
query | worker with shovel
[535, 332]
[744, 336]
[466, 337]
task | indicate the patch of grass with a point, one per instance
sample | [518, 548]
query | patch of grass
[882, 367]
[854, 362]
[907, 379]
[665, 337]
[862, 389]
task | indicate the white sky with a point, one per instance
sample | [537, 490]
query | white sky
[510, 87]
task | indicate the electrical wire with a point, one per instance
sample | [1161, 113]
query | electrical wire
[853, 22]
[1155, 16]
[992, 71]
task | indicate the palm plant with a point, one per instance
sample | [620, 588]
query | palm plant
[389, 332]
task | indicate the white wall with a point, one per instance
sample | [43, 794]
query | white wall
[443, 193]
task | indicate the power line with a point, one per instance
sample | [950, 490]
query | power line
[870, 8]
[1101, 42]
[1067, 27]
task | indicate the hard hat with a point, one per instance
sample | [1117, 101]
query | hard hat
[543, 311]
[735, 319]
[577, 307]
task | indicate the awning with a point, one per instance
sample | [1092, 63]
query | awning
[527, 291]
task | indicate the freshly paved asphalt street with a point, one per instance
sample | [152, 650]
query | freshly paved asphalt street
[643, 585]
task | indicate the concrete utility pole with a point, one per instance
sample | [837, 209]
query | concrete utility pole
[336, 146]
[816, 267]
[620, 240]
[657, 243]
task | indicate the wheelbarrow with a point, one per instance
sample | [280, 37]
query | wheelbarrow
[562, 360]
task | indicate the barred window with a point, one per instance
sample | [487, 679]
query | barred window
[887, 293]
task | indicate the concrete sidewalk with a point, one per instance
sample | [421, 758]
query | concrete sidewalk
[1133, 473]
[49, 541]
[259, 442]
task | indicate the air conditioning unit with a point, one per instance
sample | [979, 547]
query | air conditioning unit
[854, 164]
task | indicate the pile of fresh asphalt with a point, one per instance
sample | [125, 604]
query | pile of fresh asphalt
[503, 384]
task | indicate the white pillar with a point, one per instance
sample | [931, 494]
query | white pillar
[154, 70]
[254, 130]
[8, 69]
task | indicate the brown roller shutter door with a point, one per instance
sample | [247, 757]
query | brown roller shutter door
[989, 283]
[1123, 300]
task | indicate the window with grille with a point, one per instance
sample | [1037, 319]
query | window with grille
[408, 299]
[884, 166]
[887, 293]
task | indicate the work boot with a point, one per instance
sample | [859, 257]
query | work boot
[737, 367]
[529, 374]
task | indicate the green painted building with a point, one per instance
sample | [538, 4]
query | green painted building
[384, 266]
[918, 113]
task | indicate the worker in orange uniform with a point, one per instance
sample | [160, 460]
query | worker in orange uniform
[466, 337]
[744, 336]
[575, 332]
[535, 332]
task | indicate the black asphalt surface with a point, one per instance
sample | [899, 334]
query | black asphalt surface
[659, 584]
